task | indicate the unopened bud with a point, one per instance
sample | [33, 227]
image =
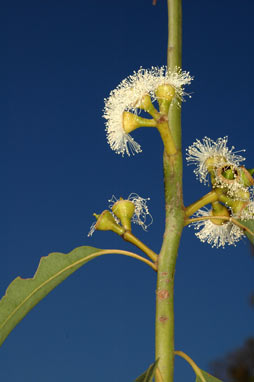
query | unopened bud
[132, 121]
[164, 93]
[219, 210]
[146, 103]
[124, 210]
[107, 222]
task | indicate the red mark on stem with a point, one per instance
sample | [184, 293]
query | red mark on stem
[163, 294]
[163, 319]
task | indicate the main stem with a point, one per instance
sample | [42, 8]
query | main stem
[164, 326]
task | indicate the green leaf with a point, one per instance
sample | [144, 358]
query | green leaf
[249, 224]
[23, 294]
[148, 375]
[207, 377]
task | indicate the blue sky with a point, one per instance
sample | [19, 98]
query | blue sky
[62, 59]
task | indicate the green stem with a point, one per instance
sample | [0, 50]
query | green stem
[128, 236]
[164, 324]
[166, 136]
[206, 199]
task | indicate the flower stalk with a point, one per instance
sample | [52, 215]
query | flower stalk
[206, 199]
[128, 236]
[164, 322]
[166, 136]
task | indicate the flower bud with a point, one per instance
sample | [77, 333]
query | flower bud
[132, 121]
[233, 181]
[164, 93]
[219, 210]
[107, 222]
[124, 210]
[145, 103]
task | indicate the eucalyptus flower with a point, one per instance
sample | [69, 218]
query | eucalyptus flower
[217, 235]
[106, 221]
[229, 179]
[141, 214]
[208, 154]
[129, 96]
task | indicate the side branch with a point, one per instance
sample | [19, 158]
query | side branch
[206, 199]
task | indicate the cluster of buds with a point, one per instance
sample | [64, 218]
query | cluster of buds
[123, 213]
[233, 185]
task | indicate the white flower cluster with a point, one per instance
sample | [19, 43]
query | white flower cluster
[141, 214]
[127, 97]
[217, 155]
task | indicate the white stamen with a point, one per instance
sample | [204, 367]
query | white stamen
[248, 212]
[92, 229]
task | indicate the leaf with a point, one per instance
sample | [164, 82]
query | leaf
[207, 377]
[148, 375]
[249, 224]
[23, 294]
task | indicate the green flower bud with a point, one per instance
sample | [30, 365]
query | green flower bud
[132, 121]
[219, 210]
[145, 103]
[124, 210]
[107, 222]
[164, 93]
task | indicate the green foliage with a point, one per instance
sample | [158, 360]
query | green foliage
[148, 375]
[23, 294]
[249, 224]
[207, 377]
